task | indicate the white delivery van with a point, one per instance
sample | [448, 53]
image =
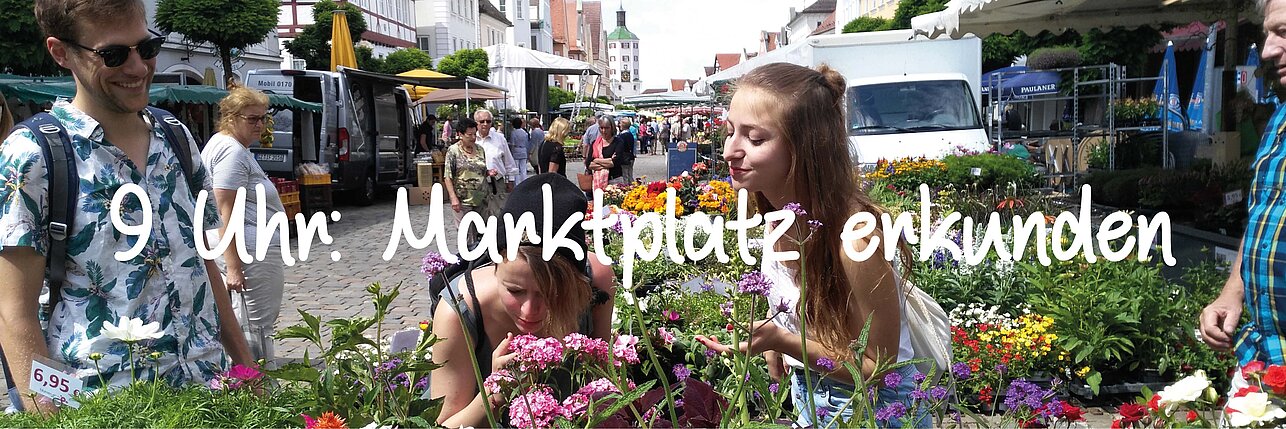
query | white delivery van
[364, 133]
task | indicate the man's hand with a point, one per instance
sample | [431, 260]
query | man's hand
[235, 279]
[1219, 321]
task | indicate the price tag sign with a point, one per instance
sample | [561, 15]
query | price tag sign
[49, 381]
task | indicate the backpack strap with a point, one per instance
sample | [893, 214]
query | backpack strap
[179, 142]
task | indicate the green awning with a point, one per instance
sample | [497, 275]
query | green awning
[27, 89]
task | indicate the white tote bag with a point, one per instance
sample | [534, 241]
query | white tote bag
[930, 330]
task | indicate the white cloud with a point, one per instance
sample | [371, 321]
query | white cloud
[678, 38]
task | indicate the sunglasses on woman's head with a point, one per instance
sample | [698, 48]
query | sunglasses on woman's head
[115, 55]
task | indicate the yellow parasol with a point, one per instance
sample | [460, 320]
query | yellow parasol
[341, 46]
[418, 92]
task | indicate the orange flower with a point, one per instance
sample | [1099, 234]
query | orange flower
[328, 420]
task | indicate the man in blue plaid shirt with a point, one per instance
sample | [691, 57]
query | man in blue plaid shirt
[1258, 280]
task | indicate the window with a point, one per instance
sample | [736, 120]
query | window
[502, 6]
[519, 10]
[299, 64]
[636, 59]
[613, 58]
[611, 45]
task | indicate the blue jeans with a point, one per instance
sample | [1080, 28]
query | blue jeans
[832, 396]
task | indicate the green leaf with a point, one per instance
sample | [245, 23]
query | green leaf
[1095, 378]
[295, 372]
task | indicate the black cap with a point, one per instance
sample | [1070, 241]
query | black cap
[567, 199]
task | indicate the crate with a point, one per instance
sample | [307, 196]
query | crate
[315, 179]
[427, 174]
[285, 186]
[292, 209]
[290, 198]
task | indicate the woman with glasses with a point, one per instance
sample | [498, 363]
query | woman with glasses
[227, 156]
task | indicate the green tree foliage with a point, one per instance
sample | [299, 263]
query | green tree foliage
[559, 96]
[366, 59]
[22, 46]
[226, 24]
[404, 60]
[910, 8]
[466, 62]
[311, 45]
[866, 23]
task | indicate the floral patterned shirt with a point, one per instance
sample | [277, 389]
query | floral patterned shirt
[166, 282]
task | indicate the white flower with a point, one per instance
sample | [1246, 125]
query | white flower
[1186, 390]
[132, 330]
[1253, 408]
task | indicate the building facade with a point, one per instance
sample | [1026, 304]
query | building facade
[623, 59]
[518, 13]
[446, 26]
[804, 22]
[390, 25]
[848, 10]
[193, 64]
[493, 27]
[542, 31]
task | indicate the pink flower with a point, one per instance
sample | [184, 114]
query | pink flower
[217, 384]
[666, 337]
[244, 373]
[601, 385]
[592, 347]
[497, 379]
[539, 354]
[574, 406]
[308, 421]
[624, 349]
[534, 409]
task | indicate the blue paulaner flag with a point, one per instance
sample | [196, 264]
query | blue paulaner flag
[1196, 102]
[1257, 81]
[1169, 99]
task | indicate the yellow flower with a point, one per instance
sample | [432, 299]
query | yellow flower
[1083, 371]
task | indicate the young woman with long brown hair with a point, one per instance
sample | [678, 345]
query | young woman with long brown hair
[788, 143]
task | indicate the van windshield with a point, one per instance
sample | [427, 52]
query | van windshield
[908, 107]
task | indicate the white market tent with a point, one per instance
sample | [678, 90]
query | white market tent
[672, 98]
[526, 74]
[986, 17]
[795, 53]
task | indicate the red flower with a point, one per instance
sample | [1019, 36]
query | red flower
[1192, 416]
[1131, 413]
[1155, 403]
[1276, 378]
[982, 327]
[1252, 367]
[1246, 391]
[1073, 413]
[1033, 423]
[1116, 424]
[984, 395]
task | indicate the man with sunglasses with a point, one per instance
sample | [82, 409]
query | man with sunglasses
[499, 158]
[116, 141]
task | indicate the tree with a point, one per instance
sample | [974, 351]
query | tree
[404, 60]
[22, 46]
[910, 8]
[466, 62]
[866, 23]
[366, 59]
[222, 24]
[559, 96]
[311, 45]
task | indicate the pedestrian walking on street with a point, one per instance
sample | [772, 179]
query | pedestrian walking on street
[785, 149]
[664, 134]
[499, 158]
[519, 141]
[469, 180]
[259, 285]
[536, 138]
[606, 156]
[527, 295]
[553, 159]
[111, 55]
[629, 143]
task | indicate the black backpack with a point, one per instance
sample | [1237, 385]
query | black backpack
[60, 161]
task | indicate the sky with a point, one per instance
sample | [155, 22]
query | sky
[678, 38]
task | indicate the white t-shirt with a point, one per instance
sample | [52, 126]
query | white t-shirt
[784, 288]
[233, 166]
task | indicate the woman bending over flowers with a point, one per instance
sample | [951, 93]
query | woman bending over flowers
[788, 145]
[528, 295]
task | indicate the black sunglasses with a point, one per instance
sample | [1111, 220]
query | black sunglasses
[115, 55]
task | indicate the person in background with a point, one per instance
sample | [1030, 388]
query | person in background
[664, 134]
[424, 134]
[468, 178]
[111, 55]
[227, 156]
[628, 137]
[591, 135]
[536, 138]
[499, 158]
[605, 157]
[552, 158]
[519, 147]
[784, 138]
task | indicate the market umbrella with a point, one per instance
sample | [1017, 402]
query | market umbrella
[418, 92]
[341, 45]
[1166, 91]
[449, 95]
[1196, 102]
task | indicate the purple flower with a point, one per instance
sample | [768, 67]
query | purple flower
[682, 372]
[726, 309]
[671, 315]
[1000, 367]
[754, 282]
[772, 388]
[757, 396]
[814, 224]
[938, 393]
[709, 353]
[918, 394]
[822, 413]
[797, 208]
[961, 370]
[707, 286]
[918, 378]
[433, 263]
[422, 384]
[678, 403]
[892, 379]
[891, 411]
[783, 306]
[826, 363]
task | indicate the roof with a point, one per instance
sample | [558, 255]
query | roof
[772, 37]
[985, 17]
[709, 70]
[677, 84]
[723, 61]
[820, 6]
[489, 9]
[654, 91]
[827, 26]
[622, 33]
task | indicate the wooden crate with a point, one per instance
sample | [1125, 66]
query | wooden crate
[286, 186]
[292, 209]
[315, 179]
[290, 198]
[426, 174]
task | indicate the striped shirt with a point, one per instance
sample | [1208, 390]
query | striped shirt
[1263, 268]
